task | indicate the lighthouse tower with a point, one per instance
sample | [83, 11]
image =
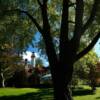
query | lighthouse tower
[33, 59]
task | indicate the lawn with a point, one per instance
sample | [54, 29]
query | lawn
[25, 94]
[85, 93]
[44, 94]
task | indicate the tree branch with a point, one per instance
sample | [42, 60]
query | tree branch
[32, 19]
[78, 19]
[45, 1]
[71, 4]
[46, 25]
[39, 3]
[29, 15]
[64, 40]
[70, 21]
[78, 24]
[49, 45]
[64, 23]
[92, 15]
[90, 46]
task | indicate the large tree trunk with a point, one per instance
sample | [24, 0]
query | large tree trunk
[61, 69]
[61, 81]
[62, 76]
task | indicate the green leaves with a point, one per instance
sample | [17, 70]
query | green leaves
[82, 67]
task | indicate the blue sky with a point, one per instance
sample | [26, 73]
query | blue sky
[97, 48]
[31, 49]
[37, 38]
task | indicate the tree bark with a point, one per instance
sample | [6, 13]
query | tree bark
[62, 81]
[61, 70]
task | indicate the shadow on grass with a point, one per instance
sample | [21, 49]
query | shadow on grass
[82, 92]
[98, 98]
[43, 94]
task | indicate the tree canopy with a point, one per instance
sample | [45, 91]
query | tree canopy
[28, 7]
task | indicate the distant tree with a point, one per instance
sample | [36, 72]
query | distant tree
[14, 39]
[12, 43]
[82, 67]
[92, 76]
[85, 68]
[39, 61]
[8, 65]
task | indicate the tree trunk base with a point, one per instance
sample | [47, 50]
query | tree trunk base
[64, 94]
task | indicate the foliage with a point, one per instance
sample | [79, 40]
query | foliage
[82, 66]
[39, 62]
[71, 22]
[15, 36]
[84, 69]
[26, 29]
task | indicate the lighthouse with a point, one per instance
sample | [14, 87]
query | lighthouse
[33, 59]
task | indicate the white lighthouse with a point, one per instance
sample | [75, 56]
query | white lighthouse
[33, 59]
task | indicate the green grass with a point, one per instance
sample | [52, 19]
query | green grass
[86, 94]
[26, 94]
[16, 91]
[83, 93]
